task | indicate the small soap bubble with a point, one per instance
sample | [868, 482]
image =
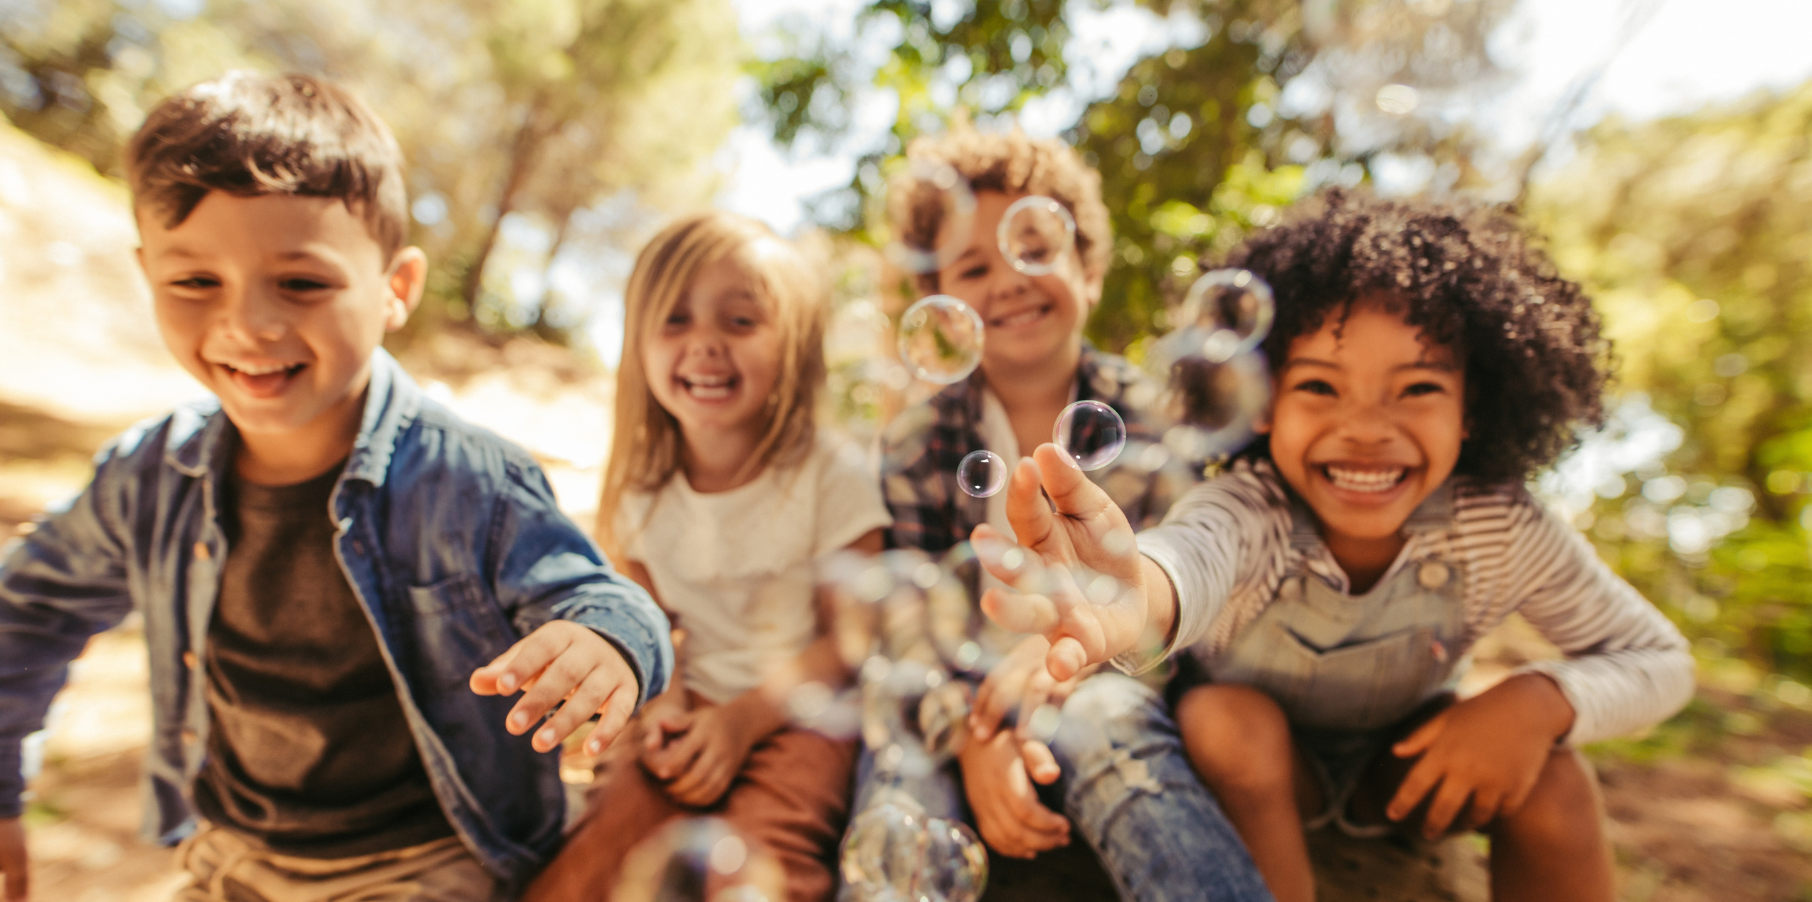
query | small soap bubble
[1119, 541]
[1091, 433]
[698, 859]
[1034, 234]
[941, 339]
[982, 474]
[1013, 558]
[930, 193]
[1228, 311]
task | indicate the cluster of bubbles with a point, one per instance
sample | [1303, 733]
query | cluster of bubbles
[907, 626]
[1212, 378]
[698, 859]
[896, 853]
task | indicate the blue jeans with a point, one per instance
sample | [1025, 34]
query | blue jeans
[1130, 792]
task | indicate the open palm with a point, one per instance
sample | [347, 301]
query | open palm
[1076, 575]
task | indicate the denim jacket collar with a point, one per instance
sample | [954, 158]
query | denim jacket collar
[391, 401]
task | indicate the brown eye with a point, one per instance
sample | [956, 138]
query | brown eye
[1315, 387]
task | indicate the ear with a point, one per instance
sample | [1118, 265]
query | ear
[1092, 285]
[408, 276]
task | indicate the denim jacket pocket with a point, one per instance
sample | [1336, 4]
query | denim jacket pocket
[454, 621]
[1366, 685]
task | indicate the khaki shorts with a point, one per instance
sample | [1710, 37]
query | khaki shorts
[226, 867]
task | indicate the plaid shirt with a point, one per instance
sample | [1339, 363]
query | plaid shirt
[922, 447]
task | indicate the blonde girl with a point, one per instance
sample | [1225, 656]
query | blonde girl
[720, 493]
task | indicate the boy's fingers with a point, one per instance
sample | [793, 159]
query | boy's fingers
[585, 700]
[484, 679]
[15, 867]
[1071, 492]
[541, 698]
[617, 711]
[526, 659]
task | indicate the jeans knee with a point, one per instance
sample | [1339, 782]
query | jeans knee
[1106, 712]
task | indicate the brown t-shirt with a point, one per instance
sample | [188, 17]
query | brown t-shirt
[308, 749]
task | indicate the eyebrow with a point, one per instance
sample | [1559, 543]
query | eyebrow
[1418, 365]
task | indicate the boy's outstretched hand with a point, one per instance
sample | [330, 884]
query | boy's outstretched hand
[1078, 579]
[1488, 749]
[562, 661]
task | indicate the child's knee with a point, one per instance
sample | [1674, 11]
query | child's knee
[1237, 738]
[1563, 804]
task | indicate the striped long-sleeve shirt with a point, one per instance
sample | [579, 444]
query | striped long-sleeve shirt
[1228, 544]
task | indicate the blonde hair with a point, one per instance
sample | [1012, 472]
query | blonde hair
[646, 442]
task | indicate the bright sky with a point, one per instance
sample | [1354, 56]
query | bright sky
[1688, 53]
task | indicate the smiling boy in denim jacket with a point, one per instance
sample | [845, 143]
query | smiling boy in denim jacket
[341, 581]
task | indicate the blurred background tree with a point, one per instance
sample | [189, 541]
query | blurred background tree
[543, 136]
[1695, 235]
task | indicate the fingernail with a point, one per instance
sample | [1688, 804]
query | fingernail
[506, 684]
[518, 720]
[546, 736]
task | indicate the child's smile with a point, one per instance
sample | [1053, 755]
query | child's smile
[1368, 422]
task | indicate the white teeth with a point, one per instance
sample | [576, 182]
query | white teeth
[1365, 480]
[260, 370]
[708, 388]
[1019, 318]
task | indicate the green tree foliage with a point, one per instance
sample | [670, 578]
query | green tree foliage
[1695, 235]
[1194, 145]
[537, 110]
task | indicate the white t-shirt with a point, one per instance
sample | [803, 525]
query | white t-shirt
[737, 566]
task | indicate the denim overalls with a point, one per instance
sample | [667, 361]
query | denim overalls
[1346, 668]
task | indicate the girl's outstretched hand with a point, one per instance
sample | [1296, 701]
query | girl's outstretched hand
[562, 662]
[1077, 576]
[1487, 751]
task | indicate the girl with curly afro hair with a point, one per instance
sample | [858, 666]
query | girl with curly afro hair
[1321, 595]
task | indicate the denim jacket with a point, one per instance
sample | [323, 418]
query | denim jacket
[448, 535]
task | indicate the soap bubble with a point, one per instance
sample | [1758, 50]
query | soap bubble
[956, 862]
[1228, 311]
[1091, 433]
[941, 339]
[1213, 405]
[699, 859]
[1034, 234]
[981, 474]
[895, 853]
[931, 191]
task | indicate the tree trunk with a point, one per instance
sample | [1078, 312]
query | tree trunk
[522, 157]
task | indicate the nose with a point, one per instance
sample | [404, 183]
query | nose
[1366, 423]
[254, 314]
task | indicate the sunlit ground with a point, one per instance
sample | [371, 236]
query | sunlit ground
[1712, 805]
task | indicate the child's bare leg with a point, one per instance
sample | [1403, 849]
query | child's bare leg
[1239, 743]
[1553, 849]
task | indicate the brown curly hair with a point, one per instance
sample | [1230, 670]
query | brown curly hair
[1010, 163]
[1470, 278]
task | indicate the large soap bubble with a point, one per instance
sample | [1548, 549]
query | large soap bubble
[941, 339]
[1034, 234]
[931, 192]
[1228, 311]
[1091, 433]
